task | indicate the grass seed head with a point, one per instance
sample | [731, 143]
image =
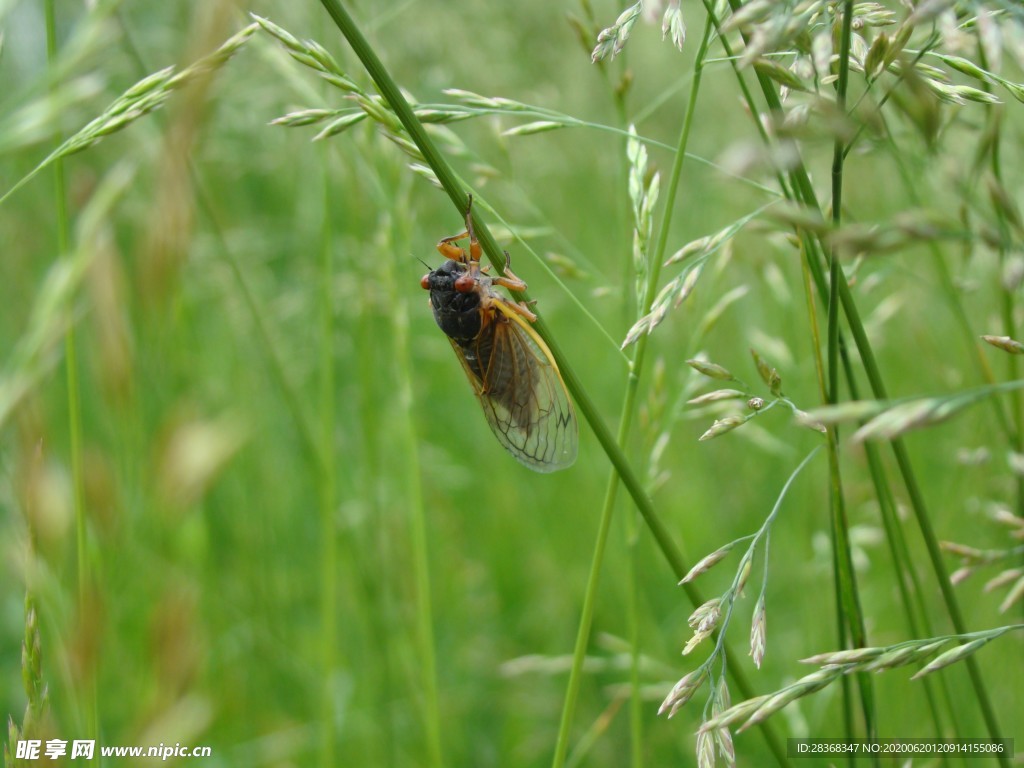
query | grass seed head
[1004, 343]
[340, 125]
[705, 749]
[758, 633]
[683, 691]
[746, 565]
[716, 396]
[1003, 578]
[851, 656]
[707, 562]
[303, 117]
[693, 642]
[721, 426]
[951, 656]
[706, 616]
[720, 702]
[703, 621]
[960, 575]
[528, 129]
[891, 659]
[672, 24]
[712, 370]
[610, 41]
[1014, 595]
[802, 687]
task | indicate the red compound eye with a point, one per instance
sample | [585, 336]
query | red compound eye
[464, 284]
[425, 282]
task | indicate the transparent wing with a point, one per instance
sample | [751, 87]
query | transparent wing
[521, 392]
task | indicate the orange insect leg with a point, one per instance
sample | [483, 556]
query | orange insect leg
[451, 251]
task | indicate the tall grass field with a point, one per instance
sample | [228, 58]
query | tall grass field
[251, 509]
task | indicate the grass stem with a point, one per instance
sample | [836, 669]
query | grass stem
[72, 383]
[850, 605]
[328, 490]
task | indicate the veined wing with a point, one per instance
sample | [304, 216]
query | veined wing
[521, 391]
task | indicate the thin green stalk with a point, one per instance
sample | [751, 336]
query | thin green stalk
[823, 386]
[328, 492]
[917, 503]
[583, 633]
[636, 703]
[837, 346]
[72, 381]
[908, 584]
[906, 581]
[841, 531]
[840, 567]
[417, 514]
[618, 94]
[835, 272]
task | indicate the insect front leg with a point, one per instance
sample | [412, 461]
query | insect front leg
[449, 250]
[456, 253]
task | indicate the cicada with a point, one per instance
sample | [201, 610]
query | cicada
[510, 368]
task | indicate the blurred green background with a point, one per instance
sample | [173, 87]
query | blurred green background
[267, 422]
